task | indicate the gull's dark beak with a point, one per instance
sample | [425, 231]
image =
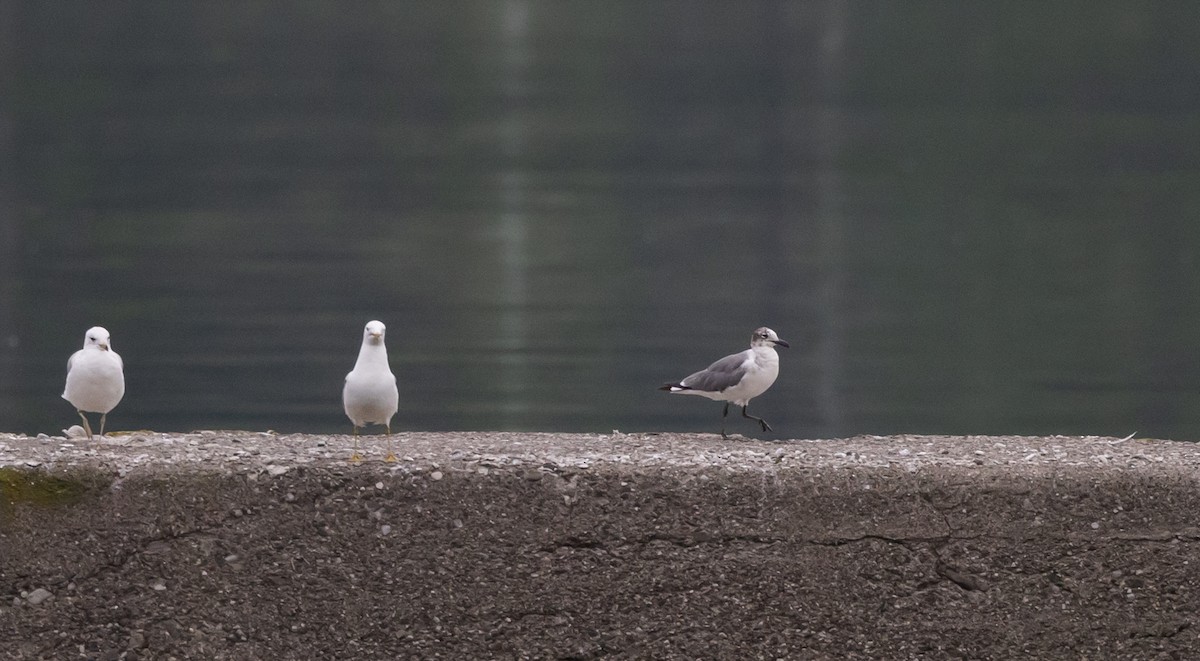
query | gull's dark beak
[781, 343]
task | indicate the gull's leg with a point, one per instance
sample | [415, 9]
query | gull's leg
[723, 416]
[356, 457]
[102, 417]
[765, 426]
[391, 456]
[86, 427]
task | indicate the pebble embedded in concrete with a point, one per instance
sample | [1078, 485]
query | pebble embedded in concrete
[38, 596]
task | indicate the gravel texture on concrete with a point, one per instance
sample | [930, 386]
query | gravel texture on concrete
[244, 545]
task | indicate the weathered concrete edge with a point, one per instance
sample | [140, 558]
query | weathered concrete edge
[984, 538]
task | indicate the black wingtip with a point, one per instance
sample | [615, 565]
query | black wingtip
[668, 386]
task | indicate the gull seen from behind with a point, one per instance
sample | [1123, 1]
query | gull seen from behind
[737, 378]
[95, 378]
[370, 395]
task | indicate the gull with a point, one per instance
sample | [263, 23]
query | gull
[95, 378]
[737, 378]
[370, 395]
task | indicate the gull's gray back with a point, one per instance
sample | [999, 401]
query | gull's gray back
[722, 374]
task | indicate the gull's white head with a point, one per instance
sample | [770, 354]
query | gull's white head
[373, 333]
[97, 337]
[765, 337]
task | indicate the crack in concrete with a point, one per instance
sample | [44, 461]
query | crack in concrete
[680, 541]
[142, 546]
[1163, 630]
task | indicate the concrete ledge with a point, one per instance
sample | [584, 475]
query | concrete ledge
[239, 545]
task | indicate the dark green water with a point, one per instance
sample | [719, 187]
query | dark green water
[965, 217]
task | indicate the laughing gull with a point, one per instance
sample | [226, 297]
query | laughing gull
[95, 378]
[370, 395]
[737, 378]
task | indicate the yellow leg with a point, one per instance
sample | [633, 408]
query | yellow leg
[391, 456]
[86, 427]
[356, 457]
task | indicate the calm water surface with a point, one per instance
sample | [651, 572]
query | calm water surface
[965, 219]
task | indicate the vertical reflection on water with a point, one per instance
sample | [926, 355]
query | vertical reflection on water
[9, 337]
[513, 243]
[831, 220]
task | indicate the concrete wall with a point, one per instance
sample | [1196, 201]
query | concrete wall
[504, 546]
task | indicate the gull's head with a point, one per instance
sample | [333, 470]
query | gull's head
[765, 337]
[97, 337]
[373, 333]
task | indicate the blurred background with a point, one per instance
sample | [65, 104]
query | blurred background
[965, 217]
